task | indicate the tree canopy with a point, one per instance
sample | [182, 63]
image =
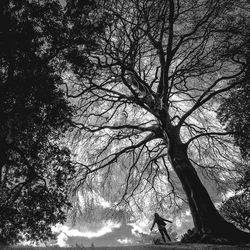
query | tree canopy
[35, 168]
[147, 109]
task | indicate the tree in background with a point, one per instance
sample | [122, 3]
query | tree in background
[233, 112]
[237, 208]
[35, 169]
[234, 115]
[146, 109]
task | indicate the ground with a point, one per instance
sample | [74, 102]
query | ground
[168, 246]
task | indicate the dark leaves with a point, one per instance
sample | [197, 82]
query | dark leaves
[35, 171]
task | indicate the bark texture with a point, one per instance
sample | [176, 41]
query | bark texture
[210, 226]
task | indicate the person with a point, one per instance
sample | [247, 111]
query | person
[161, 226]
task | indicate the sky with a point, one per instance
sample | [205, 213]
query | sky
[109, 232]
[113, 233]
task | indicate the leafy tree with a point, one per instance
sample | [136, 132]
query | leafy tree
[233, 112]
[186, 236]
[244, 183]
[35, 169]
[237, 208]
[147, 108]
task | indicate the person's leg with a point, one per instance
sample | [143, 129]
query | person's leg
[162, 235]
[166, 233]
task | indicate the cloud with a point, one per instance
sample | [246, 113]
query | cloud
[141, 226]
[65, 232]
[125, 241]
[117, 236]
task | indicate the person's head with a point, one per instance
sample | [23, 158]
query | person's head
[156, 215]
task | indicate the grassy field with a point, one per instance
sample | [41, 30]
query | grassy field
[170, 246]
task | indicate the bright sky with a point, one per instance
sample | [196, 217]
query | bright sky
[111, 233]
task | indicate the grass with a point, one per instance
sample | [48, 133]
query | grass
[169, 246]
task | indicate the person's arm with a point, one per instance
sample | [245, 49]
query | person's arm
[167, 220]
[152, 226]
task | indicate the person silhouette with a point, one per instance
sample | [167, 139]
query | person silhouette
[161, 226]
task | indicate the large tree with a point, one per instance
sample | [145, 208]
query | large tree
[35, 169]
[147, 106]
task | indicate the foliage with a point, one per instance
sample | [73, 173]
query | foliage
[186, 236]
[237, 208]
[244, 182]
[35, 168]
[233, 112]
[85, 26]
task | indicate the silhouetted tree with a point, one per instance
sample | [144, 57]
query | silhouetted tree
[35, 168]
[148, 107]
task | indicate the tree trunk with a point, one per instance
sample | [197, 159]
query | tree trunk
[209, 224]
